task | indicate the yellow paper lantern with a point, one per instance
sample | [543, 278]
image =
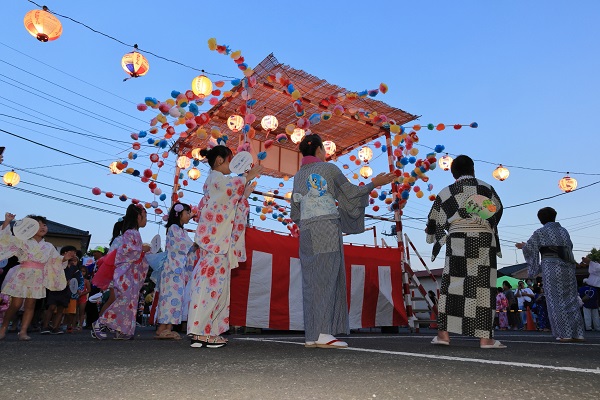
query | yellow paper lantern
[196, 154]
[288, 197]
[235, 123]
[365, 154]
[269, 197]
[201, 86]
[113, 168]
[365, 171]
[11, 178]
[135, 64]
[445, 162]
[297, 136]
[269, 123]
[194, 174]
[329, 147]
[567, 184]
[183, 162]
[42, 25]
[501, 173]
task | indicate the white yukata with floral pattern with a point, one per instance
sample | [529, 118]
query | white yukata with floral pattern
[221, 238]
[174, 276]
[31, 283]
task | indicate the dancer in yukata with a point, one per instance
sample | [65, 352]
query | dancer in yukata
[40, 267]
[221, 237]
[173, 276]
[553, 245]
[130, 272]
[464, 217]
[318, 185]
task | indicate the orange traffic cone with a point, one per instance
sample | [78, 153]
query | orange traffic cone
[530, 323]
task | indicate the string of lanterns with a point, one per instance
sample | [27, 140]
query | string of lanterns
[45, 27]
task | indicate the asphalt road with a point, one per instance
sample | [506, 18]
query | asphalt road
[278, 366]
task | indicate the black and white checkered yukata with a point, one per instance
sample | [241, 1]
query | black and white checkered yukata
[317, 187]
[468, 289]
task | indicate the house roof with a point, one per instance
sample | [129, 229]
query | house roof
[437, 272]
[512, 269]
[55, 228]
[347, 131]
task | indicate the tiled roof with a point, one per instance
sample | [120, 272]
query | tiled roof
[54, 228]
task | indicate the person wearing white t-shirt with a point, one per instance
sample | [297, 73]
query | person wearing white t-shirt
[524, 297]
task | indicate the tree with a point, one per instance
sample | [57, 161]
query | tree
[594, 255]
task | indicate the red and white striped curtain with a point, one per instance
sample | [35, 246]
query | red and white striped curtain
[266, 290]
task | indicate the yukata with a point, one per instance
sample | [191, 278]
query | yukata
[501, 310]
[558, 276]
[130, 272]
[221, 239]
[40, 267]
[464, 217]
[173, 277]
[317, 186]
[541, 311]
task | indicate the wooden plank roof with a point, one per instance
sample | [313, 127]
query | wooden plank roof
[347, 131]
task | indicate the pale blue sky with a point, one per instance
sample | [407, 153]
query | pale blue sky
[527, 72]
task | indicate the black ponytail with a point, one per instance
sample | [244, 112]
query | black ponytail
[310, 144]
[130, 220]
[217, 151]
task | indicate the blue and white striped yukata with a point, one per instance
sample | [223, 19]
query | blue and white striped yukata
[317, 187]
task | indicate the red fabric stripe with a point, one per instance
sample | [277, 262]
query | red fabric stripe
[279, 317]
[240, 286]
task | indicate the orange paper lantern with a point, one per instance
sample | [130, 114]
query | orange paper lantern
[42, 25]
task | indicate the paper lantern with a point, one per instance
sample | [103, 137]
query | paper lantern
[365, 154]
[183, 162]
[194, 174]
[114, 169]
[269, 197]
[329, 147]
[297, 135]
[445, 162]
[135, 64]
[566, 184]
[269, 123]
[11, 178]
[288, 197]
[196, 154]
[365, 171]
[501, 173]
[43, 25]
[235, 123]
[201, 86]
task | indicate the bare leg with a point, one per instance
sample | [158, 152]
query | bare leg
[48, 315]
[13, 309]
[27, 316]
[443, 335]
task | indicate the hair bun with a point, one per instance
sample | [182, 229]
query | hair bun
[204, 152]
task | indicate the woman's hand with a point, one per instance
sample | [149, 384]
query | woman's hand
[254, 172]
[8, 217]
[520, 245]
[249, 189]
[383, 178]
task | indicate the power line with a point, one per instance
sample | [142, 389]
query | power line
[134, 45]
[68, 90]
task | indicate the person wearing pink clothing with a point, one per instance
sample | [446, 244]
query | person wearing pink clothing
[130, 272]
[41, 267]
[220, 236]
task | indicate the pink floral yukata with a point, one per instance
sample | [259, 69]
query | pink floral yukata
[174, 277]
[130, 273]
[41, 267]
[221, 237]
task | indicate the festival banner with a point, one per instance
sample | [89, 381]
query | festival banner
[266, 290]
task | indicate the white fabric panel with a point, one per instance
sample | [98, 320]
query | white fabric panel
[259, 293]
[295, 296]
[357, 292]
[384, 314]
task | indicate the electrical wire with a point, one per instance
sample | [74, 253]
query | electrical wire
[134, 45]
